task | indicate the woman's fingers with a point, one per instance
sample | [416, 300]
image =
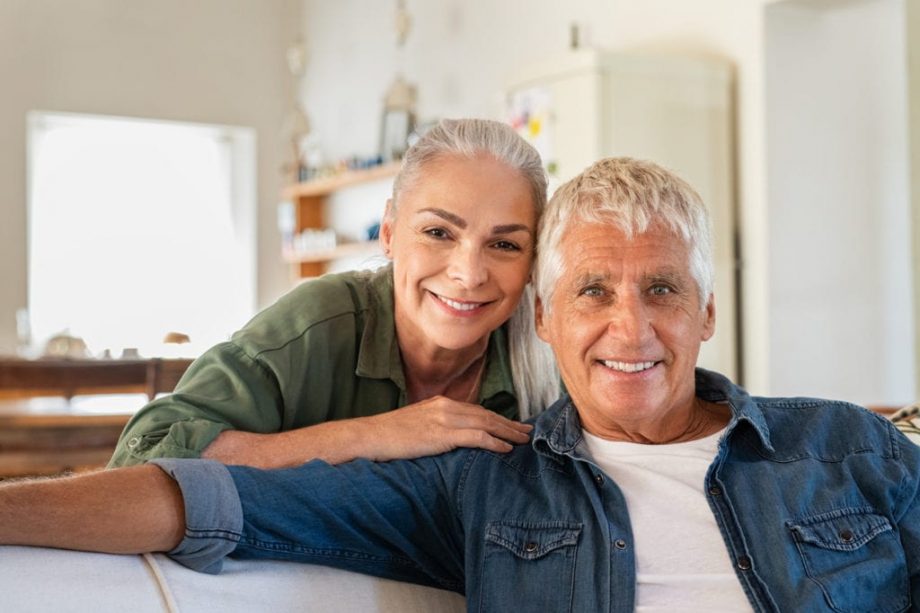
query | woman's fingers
[439, 424]
[486, 421]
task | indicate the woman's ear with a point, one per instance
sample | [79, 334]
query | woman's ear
[386, 229]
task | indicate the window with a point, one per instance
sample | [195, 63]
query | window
[138, 228]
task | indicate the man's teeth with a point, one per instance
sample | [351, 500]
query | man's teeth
[628, 366]
[460, 306]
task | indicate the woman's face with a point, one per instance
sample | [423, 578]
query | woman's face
[462, 243]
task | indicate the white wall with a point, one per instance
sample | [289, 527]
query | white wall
[840, 308]
[207, 61]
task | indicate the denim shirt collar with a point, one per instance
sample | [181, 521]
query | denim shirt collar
[557, 431]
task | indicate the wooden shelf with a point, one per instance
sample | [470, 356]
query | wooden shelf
[346, 250]
[327, 185]
[311, 201]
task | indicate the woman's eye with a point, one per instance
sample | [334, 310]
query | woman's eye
[507, 246]
[437, 233]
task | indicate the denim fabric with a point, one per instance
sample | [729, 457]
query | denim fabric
[817, 502]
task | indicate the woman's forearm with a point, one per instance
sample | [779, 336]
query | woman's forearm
[124, 510]
[429, 427]
[334, 442]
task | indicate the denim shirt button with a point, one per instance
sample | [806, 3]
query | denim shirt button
[599, 479]
[530, 547]
[619, 544]
[715, 490]
[846, 536]
[744, 563]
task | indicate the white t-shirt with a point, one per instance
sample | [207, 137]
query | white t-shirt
[682, 563]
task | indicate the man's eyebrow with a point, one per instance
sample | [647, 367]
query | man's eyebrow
[590, 278]
[666, 275]
[461, 223]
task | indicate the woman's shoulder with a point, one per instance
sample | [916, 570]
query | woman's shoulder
[331, 300]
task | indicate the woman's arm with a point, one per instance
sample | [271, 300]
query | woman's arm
[129, 510]
[430, 427]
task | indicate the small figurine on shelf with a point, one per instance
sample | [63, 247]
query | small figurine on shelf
[400, 99]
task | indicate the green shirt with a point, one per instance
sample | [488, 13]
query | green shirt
[327, 350]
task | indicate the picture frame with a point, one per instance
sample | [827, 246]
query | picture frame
[396, 127]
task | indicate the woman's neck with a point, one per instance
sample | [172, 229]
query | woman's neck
[444, 372]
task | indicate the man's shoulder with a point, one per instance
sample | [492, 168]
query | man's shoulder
[828, 429]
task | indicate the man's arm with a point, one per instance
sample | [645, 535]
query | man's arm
[395, 519]
[130, 510]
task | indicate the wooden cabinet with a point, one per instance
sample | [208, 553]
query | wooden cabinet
[311, 205]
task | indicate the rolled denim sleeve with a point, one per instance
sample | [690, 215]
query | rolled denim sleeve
[213, 513]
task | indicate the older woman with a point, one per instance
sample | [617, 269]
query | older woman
[394, 363]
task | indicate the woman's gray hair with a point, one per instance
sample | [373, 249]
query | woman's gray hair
[633, 195]
[533, 369]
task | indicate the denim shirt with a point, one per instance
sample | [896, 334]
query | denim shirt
[817, 503]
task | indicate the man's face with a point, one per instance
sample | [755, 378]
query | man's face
[626, 325]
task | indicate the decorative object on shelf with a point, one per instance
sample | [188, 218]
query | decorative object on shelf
[297, 124]
[304, 208]
[400, 99]
[64, 345]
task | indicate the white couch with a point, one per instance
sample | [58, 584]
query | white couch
[40, 580]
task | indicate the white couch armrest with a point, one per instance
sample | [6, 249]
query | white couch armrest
[39, 579]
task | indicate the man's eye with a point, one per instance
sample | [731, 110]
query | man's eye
[592, 292]
[660, 290]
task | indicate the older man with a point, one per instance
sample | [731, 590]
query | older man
[653, 485]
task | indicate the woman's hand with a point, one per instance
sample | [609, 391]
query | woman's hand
[437, 425]
[429, 427]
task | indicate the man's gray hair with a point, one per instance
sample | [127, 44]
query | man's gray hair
[533, 369]
[633, 195]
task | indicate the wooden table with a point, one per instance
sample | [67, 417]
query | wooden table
[53, 435]
[69, 377]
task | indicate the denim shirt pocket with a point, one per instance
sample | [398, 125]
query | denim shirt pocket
[856, 556]
[529, 566]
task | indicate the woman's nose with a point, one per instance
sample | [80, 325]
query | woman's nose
[467, 267]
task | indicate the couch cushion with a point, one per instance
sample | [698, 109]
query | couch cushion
[38, 579]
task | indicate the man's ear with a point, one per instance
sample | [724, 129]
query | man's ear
[386, 229]
[709, 321]
[541, 321]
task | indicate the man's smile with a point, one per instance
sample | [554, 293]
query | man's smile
[629, 367]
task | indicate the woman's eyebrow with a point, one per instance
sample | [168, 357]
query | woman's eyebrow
[509, 228]
[447, 216]
[461, 223]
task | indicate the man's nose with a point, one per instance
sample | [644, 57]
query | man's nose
[630, 320]
[468, 267]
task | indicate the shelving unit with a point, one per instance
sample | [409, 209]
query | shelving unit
[310, 201]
